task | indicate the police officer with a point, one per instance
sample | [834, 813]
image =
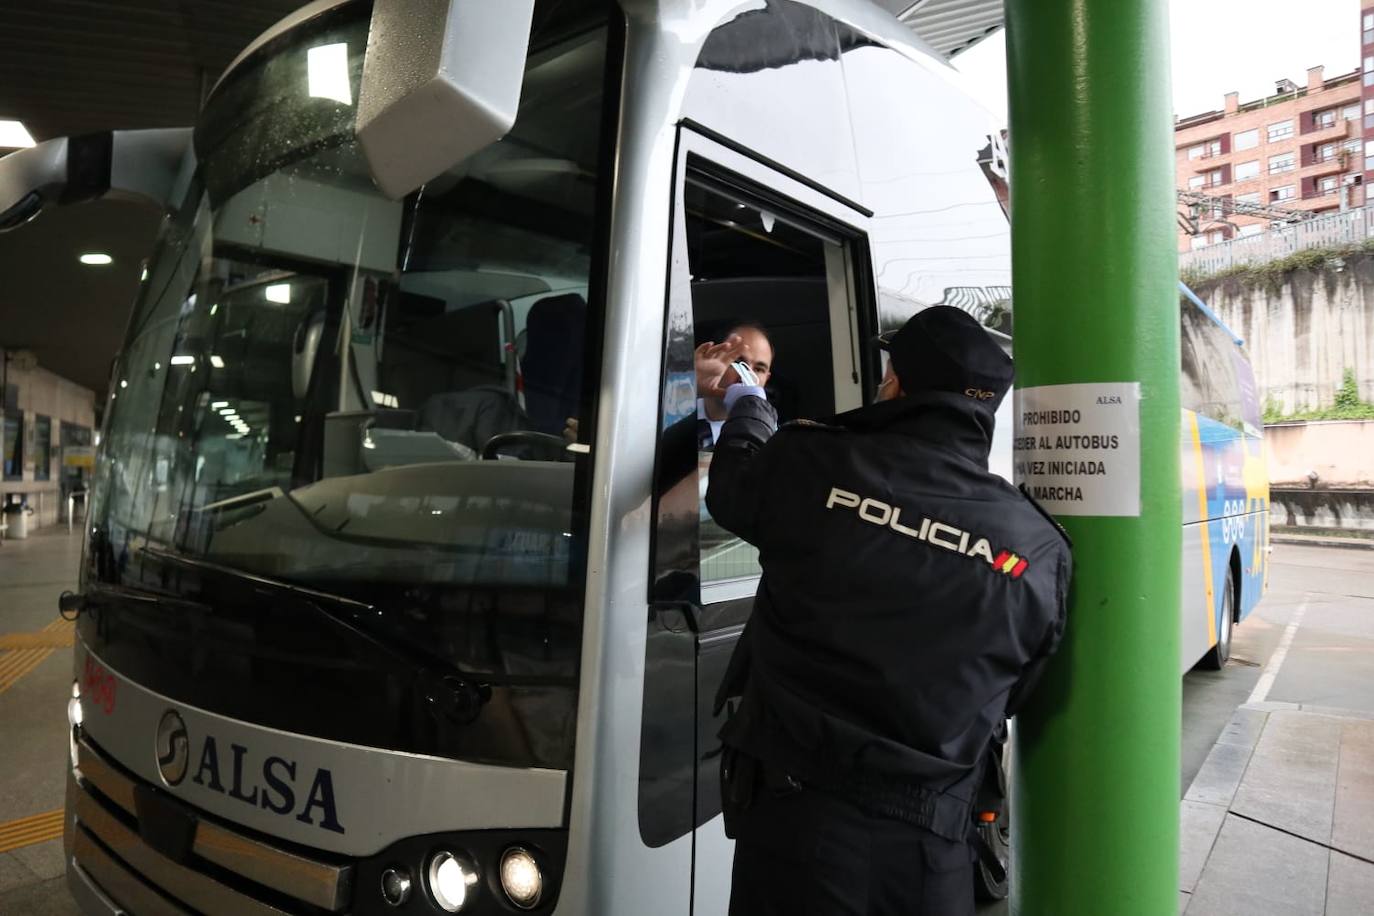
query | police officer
[909, 600]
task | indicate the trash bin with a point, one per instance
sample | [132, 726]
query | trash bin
[17, 519]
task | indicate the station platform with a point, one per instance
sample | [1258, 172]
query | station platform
[35, 682]
[1280, 819]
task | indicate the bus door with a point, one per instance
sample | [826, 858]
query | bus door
[768, 256]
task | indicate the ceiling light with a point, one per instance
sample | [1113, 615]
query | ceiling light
[278, 292]
[216, 361]
[327, 73]
[183, 360]
[96, 259]
[218, 404]
[14, 135]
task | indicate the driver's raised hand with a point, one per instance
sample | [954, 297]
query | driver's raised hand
[713, 365]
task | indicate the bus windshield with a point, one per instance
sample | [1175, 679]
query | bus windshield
[328, 393]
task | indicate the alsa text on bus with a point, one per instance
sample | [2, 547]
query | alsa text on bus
[272, 787]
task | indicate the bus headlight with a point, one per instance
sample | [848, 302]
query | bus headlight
[520, 877]
[451, 881]
[396, 886]
[74, 721]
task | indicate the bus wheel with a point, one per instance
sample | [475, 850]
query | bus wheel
[1215, 660]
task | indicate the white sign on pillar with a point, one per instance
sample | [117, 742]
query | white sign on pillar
[1077, 447]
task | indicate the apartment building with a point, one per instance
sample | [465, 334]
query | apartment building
[1301, 148]
[1367, 86]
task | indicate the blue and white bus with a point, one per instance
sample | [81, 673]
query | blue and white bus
[1225, 485]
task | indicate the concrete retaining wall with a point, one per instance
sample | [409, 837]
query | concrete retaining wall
[1305, 331]
[1348, 512]
[1341, 452]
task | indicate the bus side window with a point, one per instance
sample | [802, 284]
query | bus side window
[1212, 385]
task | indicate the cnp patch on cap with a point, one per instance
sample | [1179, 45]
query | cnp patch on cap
[946, 349]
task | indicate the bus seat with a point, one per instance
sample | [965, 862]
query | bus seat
[472, 416]
[552, 362]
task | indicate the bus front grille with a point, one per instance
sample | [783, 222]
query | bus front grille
[224, 871]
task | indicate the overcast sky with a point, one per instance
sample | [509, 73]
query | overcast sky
[1220, 46]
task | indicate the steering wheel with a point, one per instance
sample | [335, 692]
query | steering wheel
[539, 446]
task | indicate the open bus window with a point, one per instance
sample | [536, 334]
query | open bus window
[766, 275]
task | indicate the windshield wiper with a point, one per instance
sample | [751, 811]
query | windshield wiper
[448, 692]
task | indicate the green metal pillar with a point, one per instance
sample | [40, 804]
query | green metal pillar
[1094, 265]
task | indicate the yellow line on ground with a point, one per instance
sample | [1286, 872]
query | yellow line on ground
[14, 663]
[44, 640]
[36, 828]
[20, 653]
[25, 661]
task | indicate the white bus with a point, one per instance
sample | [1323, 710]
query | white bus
[360, 630]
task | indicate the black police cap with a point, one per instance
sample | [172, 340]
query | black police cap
[946, 349]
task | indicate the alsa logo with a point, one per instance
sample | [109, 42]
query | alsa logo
[271, 786]
[938, 534]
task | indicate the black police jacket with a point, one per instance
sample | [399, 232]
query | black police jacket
[909, 597]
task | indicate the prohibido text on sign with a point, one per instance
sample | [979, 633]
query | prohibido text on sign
[1077, 447]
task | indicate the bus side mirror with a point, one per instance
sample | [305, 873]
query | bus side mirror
[126, 164]
[441, 80]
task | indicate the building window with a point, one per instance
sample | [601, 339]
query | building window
[1283, 162]
[1252, 229]
[1369, 71]
[1214, 178]
[1350, 112]
[1328, 184]
[1284, 193]
[1247, 170]
[1323, 119]
[1369, 155]
[1252, 198]
[1205, 150]
[13, 447]
[42, 448]
[1280, 130]
[1247, 139]
[1325, 152]
[1195, 182]
[1352, 146]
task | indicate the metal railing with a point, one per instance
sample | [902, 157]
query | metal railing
[1348, 228]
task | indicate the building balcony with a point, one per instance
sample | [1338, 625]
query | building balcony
[1330, 166]
[1318, 197]
[1338, 131]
